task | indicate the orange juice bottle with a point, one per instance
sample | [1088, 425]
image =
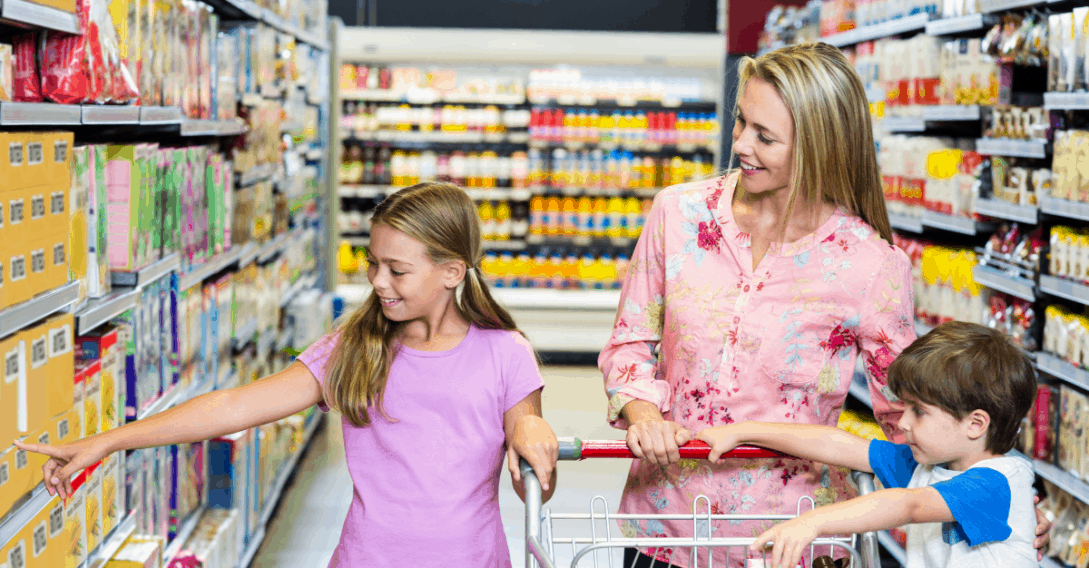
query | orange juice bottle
[552, 214]
[601, 209]
[502, 221]
[615, 217]
[570, 271]
[570, 216]
[555, 270]
[520, 270]
[503, 269]
[633, 209]
[585, 216]
[536, 215]
[487, 221]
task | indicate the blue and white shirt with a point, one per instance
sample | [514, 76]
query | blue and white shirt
[991, 502]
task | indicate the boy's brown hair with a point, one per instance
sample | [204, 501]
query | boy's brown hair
[960, 367]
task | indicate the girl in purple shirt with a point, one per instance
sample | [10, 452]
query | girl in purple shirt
[435, 383]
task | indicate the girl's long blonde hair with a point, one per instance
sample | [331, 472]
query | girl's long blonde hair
[834, 154]
[444, 219]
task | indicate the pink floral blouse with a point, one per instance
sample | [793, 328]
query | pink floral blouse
[710, 341]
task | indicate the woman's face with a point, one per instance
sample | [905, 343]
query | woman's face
[763, 138]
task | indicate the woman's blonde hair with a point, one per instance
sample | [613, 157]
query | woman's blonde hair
[834, 154]
[444, 219]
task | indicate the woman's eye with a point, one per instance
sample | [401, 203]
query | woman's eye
[395, 273]
[764, 139]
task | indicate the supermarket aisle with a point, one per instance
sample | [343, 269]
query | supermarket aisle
[307, 524]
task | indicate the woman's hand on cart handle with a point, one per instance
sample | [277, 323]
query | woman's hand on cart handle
[657, 441]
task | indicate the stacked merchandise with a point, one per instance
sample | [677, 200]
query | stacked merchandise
[563, 163]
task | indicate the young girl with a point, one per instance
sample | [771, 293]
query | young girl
[433, 379]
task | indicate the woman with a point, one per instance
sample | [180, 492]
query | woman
[750, 297]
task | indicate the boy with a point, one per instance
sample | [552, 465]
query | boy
[965, 389]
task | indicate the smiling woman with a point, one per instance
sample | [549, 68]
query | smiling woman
[751, 296]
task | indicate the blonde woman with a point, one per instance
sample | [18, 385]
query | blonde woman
[434, 387]
[751, 296]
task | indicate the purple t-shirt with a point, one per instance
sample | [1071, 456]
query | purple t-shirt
[427, 485]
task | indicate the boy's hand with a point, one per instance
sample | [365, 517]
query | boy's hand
[790, 540]
[657, 441]
[533, 439]
[722, 439]
[65, 461]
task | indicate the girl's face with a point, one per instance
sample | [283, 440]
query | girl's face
[763, 138]
[408, 283]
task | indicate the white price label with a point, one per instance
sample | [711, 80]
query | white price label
[34, 153]
[15, 154]
[58, 254]
[37, 207]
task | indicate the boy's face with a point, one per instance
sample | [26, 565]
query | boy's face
[935, 436]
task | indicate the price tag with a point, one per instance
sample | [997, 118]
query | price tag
[34, 153]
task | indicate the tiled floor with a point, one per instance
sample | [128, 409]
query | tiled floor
[307, 525]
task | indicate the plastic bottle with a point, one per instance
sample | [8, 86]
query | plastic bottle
[503, 270]
[535, 124]
[605, 129]
[633, 210]
[502, 221]
[616, 217]
[597, 169]
[570, 271]
[553, 215]
[489, 167]
[585, 272]
[641, 125]
[593, 127]
[585, 216]
[624, 170]
[519, 170]
[457, 168]
[537, 215]
[570, 223]
[519, 271]
[538, 272]
[487, 221]
[601, 217]
[618, 128]
[397, 165]
[488, 267]
[607, 272]
[519, 219]
[559, 172]
[570, 127]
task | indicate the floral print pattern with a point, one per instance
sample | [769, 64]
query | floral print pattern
[711, 341]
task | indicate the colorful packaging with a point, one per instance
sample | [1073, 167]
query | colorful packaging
[27, 84]
[7, 72]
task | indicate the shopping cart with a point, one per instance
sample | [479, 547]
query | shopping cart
[541, 542]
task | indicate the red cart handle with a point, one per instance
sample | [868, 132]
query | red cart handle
[576, 449]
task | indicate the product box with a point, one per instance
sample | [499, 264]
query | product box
[75, 520]
[138, 553]
[127, 340]
[229, 462]
[56, 149]
[62, 429]
[135, 490]
[79, 401]
[101, 348]
[97, 261]
[60, 367]
[128, 209]
[93, 397]
[113, 484]
[81, 234]
[14, 477]
[93, 500]
[14, 361]
[40, 542]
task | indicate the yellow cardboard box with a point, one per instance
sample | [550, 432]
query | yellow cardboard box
[10, 359]
[93, 396]
[61, 429]
[35, 407]
[62, 364]
[137, 553]
[75, 520]
[113, 492]
[58, 157]
[95, 533]
[13, 479]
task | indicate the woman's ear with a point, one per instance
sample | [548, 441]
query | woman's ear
[453, 274]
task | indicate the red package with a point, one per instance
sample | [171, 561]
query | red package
[66, 67]
[26, 84]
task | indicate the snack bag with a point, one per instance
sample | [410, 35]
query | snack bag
[67, 70]
[27, 85]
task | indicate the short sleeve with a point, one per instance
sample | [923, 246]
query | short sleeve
[979, 500]
[893, 464]
[316, 358]
[887, 328]
[521, 375]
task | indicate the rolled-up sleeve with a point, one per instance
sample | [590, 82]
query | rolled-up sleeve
[629, 361]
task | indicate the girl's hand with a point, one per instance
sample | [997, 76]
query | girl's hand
[65, 461]
[657, 441]
[721, 439]
[1043, 531]
[790, 540]
[533, 439]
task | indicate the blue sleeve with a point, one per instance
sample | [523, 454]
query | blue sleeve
[980, 502]
[893, 464]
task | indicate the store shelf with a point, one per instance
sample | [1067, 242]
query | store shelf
[1072, 485]
[551, 299]
[1006, 210]
[579, 241]
[193, 127]
[428, 97]
[251, 548]
[285, 473]
[101, 310]
[104, 114]
[285, 339]
[995, 279]
[951, 113]
[954, 223]
[990, 6]
[175, 394]
[39, 16]
[186, 530]
[356, 241]
[875, 94]
[19, 316]
[111, 544]
[269, 250]
[160, 115]
[1012, 148]
[38, 114]
[670, 102]
[304, 283]
[903, 124]
[878, 31]
[1063, 288]
[503, 245]
[892, 547]
[438, 137]
[861, 393]
[906, 223]
[214, 266]
[960, 24]
[1056, 367]
[1064, 208]
[22, 513]
[256, 174]
[629, 145]
[1066, 101]
[150, 273]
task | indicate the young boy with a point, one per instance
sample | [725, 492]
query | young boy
[965, 389]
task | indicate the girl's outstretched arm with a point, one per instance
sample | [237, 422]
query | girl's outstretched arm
[211, 415]
[529, 436]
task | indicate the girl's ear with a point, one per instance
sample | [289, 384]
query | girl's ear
[453, 274]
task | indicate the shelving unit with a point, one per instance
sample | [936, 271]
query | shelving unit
[997, 280]
[17, 317]
[960, 24]
[908, 24]
[1012, 148]
[1004, 210]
